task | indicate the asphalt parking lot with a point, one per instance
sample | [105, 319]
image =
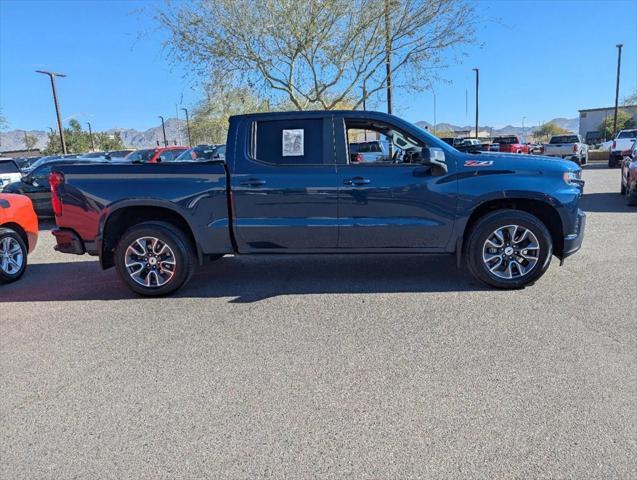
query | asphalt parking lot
[327, 367]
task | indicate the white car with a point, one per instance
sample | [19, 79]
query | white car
[569, 147]
[9, 173]
[622, 143]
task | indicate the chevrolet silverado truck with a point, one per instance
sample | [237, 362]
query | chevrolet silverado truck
[288, 186]
[569, 147]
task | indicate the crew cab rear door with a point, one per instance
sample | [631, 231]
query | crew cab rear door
[395, 203]
[283, 183]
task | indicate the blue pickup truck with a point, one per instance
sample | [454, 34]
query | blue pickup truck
[288, 185]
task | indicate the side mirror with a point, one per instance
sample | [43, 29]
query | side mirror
[28, 179]
[435, 156]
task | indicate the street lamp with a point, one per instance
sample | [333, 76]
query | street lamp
[163, 129]
[619, 63]
[477, 70]
[523, 118]
[90, 132]
[52, 76]
[188, 126]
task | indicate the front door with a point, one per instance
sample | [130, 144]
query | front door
[395, 201]
[284, 185]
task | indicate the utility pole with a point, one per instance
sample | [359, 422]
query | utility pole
[364, 96]
[619, 63]
[52, 76]
[434, 113]
[188, 126]
[477, 70]
[90, 132]
[163, 129]
[388, 48]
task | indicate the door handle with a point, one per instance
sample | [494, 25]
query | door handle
[357, 181]
[252, 182]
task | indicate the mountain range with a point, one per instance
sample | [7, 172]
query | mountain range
[176, 132]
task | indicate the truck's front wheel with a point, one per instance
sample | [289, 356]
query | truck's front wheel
[509, 249]
[154, 258]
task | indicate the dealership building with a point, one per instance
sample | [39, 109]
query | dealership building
[591, 118]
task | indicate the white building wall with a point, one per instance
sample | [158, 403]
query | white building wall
[589, 120]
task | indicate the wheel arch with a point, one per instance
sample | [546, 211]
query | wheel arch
[16, 227]
[543, 210]
[127, 214]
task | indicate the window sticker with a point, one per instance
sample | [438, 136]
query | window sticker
[293, 141]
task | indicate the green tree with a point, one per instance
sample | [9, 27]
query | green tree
[624, 120]
[209, 122]
[630, 100]
[318, 52]
[79, 141]
[3, 122]
[547, 130]
[30, 141]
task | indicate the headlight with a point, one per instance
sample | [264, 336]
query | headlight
[573, 178]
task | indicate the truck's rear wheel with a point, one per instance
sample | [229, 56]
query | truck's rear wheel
[154, 258]
[509, 249]
[13, 255]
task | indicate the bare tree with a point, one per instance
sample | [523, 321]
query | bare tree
[318, 53]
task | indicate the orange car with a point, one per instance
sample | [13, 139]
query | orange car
[18, 235]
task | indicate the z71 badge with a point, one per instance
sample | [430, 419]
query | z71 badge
[478, 163]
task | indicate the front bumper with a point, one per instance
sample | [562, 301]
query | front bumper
[573, 242]
[68, 241]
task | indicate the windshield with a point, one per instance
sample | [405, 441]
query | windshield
[564, 139]
[627, 134]
[505, 140]
[200, 153]
[42, 161]
[141, 156]
[8, 166]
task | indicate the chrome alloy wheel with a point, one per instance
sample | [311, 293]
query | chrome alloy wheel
[511, 252]
[11, 256]
[150, 262]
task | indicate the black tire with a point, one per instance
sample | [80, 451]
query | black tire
[622, 187]
[183, 253]
[484, 228]
[9, 275]
[612, 163]
[631, 198]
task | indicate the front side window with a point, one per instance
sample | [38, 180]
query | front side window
[288, 142]
[377, 143]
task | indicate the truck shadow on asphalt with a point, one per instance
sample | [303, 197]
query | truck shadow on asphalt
[609, 202]
[254, 278]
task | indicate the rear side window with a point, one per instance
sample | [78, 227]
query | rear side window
[8, 166]
[289, 142]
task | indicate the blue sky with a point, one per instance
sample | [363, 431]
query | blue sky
[538, 59]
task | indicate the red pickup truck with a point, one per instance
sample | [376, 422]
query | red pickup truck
[509, 144]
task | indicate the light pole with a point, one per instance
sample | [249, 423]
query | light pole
[188, 126]
[52, 76]
[388, 49]
[523, 118]
[619, 63]
[90, 132]
[477, 70]
[163, 129]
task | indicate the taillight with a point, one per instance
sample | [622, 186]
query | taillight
[575, 148]
[55, 180]
[541, 148]
[614, 144]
